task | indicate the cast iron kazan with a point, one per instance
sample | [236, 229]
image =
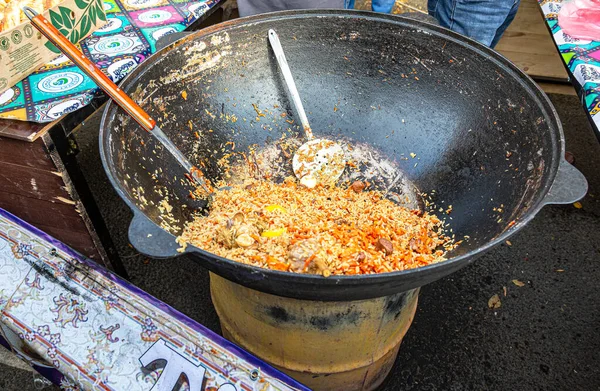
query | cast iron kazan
[486, 139]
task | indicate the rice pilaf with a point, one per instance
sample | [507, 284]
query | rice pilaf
[325, 230]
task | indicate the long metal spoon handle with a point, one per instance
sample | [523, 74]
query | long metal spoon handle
[116, 94]
[289, 81]
[90, 69]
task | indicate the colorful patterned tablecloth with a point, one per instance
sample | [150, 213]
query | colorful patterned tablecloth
[582, 59]
[128, 38]
[86, 329]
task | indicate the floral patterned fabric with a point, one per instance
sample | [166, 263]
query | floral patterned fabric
[582, 58]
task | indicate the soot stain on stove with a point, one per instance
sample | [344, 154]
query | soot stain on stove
[326, 322]
[280, 315]
[396, 303]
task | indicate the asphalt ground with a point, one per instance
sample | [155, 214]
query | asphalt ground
[544, 336]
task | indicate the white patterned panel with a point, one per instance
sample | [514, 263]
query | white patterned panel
[586, 73]
[12, 269]
[78, 331]
[551, 7]
[564, 39]
[95, 330]
[596, 119]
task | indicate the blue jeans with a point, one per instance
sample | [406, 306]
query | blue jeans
[384, 6]
[482, 20]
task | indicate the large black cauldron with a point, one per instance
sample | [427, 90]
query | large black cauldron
[486, 138]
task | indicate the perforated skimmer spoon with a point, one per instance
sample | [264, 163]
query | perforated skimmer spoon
[317, 160]
[115, 93]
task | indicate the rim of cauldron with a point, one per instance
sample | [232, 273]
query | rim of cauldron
[429, 273]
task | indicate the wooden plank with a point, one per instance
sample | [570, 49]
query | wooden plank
[526, 4]
[40, 212]
[31, 189]
[529, 20]
[538, 66]
[80, 241]
[61, 221]
[25, 154]
[555, 88]
[528, 44]
[22, 130]
[516, 41]
[32, 183]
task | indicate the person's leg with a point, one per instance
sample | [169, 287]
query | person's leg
[349, 4]
[432, 7]
[507, 22]
[383, 6]
[482, 20]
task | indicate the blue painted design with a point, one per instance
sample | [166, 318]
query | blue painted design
[140, 42]
[12, 98]
[114, 25]
[66, 81]
[153, 34]
[576, 53]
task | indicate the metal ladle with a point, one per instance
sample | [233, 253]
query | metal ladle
[317, 160]
[115, 93]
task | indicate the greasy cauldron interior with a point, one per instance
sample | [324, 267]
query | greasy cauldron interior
[485, 139]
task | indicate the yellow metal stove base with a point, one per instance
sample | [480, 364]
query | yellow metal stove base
[325, 345]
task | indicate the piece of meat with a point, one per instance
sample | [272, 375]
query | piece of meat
[299, 252]
[385, 246]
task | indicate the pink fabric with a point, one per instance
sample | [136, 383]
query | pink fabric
[581, 19]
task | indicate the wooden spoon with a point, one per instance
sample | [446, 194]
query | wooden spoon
[115, 93]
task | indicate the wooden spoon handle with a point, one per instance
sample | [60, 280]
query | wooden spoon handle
[90, 69]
